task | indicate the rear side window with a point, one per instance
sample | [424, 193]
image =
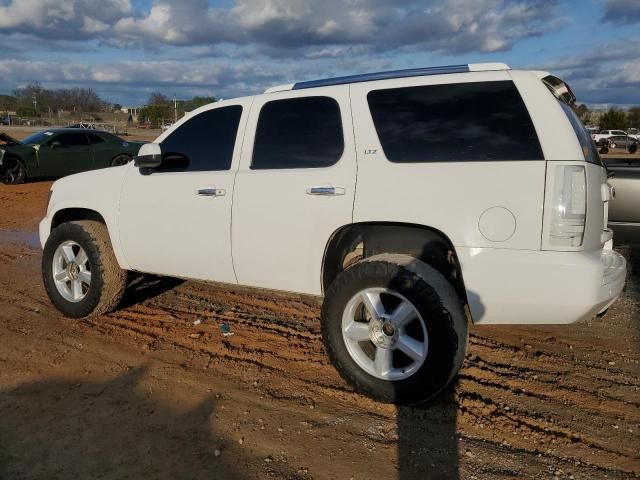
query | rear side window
[94, 139]
[454, 122]
[206, 140]
[298, 133]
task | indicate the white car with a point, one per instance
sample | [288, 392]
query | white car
[415, 201]
[605, 134]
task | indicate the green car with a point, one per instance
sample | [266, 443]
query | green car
[60, 152]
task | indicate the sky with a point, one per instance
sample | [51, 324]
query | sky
[126, 49]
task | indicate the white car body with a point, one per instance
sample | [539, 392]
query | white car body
[604, 134]
[262, 228]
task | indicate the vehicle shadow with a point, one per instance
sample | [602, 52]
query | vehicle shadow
[427, 433]
[142, 287]
[116, 429]
[427, 439]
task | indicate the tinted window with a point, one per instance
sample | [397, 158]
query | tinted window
[206, 140]
[589, 149]
[454, 122]
[93, 138]
[37, 138]
[71, 139]
[298, 133]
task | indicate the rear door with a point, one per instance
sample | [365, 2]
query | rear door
[294, 189]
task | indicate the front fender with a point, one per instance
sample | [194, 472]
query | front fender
[96, 191]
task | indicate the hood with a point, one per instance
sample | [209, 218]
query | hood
[7, 140]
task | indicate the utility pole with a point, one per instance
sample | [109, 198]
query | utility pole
[35, 102]
[175, 109]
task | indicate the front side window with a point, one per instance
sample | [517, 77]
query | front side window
[71, 139]
[484, 121]
[204, 142]
[298, 133]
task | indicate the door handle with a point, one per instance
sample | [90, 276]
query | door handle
[325, 191]
[210, 192]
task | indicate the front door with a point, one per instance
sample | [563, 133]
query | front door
[64, 154]
[175, 219]
[294, 189]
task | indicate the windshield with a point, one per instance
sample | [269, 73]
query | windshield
[37, 138]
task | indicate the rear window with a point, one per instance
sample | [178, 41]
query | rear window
[485, 121]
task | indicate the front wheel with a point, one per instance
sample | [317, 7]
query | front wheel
[12, 171]
[80, 271]
[394, 328]
[633, 148]
[120, 160]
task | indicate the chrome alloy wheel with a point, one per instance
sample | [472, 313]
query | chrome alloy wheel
[384, 334]
[71, 271]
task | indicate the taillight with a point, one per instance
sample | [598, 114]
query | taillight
[569, 206]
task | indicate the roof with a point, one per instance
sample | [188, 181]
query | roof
[410, 72]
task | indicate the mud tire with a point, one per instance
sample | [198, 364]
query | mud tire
[439, 305]
[108, 280]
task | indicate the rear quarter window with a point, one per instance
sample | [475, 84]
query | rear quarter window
[589, 149]
[484, 121]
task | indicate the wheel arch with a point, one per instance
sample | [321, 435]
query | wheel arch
[70, 214]
[419, 241]
[20, 160]
[126, 154]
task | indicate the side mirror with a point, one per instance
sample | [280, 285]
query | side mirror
[149, 156]
[56, 144]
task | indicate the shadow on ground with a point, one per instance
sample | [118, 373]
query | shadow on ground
[142, 287]
[79, 429]
[427, 441]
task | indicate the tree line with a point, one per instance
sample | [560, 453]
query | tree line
[612, 119]
[161, 109]
[34, 101]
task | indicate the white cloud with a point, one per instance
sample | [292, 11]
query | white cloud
[62, 19]
[449, 26]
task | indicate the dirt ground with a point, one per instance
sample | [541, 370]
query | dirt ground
[155, 390]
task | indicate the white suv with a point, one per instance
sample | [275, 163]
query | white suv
[414, 201]
[605, 134]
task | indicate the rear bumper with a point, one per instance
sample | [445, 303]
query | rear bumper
[540, 287]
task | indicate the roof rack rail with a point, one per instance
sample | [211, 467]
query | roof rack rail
[410, 72]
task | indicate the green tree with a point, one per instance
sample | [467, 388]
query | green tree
[633, 115]
[614, 119]
[581, 110]
[27, 111]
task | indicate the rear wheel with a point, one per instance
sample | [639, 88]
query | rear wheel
[120, 160]
[394, 328]
[12, 171]
[80, 271]
[633, 148]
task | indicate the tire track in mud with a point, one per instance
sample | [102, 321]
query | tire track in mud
[517, 394]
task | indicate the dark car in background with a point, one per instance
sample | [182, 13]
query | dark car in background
[60, 152]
